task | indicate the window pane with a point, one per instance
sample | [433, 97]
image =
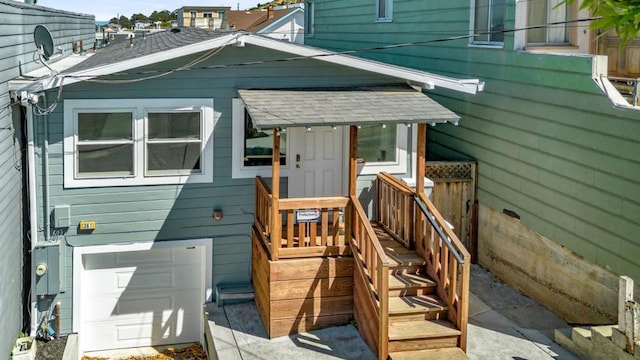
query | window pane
[179, 125]
[258, 145]
[173, 156]
[537, 15]
[113, 158]
[481, 20]
[105, 126]
[497, 20]
[377, 144]
[382, 9]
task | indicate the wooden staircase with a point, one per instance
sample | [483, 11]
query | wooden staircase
[418, 324]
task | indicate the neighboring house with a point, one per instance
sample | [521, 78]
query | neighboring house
[282, 24]
[147, 168]
[18, 54]
[556, 144]
[204, 17]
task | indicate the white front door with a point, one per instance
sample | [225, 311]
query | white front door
[141, 298]
[317, 162]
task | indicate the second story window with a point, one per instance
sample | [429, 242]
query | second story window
[193, 14]
[384, 9]
[488, 21]
[207, 15]
[542, 12]
[309, 18]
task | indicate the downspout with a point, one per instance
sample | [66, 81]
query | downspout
[33, 208]
[45, 180]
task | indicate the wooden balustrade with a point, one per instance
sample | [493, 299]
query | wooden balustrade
[448, 261]
[321, 234]
[395, 208]
[372, 261]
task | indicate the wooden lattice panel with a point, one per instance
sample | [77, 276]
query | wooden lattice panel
[436, 170]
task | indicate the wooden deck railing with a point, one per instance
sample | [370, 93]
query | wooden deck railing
[319, 232]
[395, 208]
[371, 259]
[448, 261]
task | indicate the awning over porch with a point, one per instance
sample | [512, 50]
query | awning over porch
[342, 106]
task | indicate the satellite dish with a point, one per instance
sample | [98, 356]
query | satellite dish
[44, 41]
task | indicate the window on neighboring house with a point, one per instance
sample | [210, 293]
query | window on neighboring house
[384, 9]
[138, 142]
[207, 15]
[542, 12]
[221, 14]
[488, 22]
[253, 148]
[309, 13]
[193, 14]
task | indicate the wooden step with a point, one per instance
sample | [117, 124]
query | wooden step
[433, 354]
[402, 284]
[422, 335]
[419, 307]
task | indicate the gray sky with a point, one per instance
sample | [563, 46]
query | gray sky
[105, 10]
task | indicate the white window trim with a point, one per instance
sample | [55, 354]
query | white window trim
[389, 15]
[139, 107]
[238, 170]
[399, 166]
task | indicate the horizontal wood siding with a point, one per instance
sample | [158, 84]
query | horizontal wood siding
[550, 146]
[17, 47]
[297, 295]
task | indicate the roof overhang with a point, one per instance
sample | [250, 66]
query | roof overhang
[342, 106]
[413, 77]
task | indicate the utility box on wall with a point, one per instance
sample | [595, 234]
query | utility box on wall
[48, 268]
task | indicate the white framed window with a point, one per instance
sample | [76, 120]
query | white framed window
[207, 15]
[384, 10]
[542, 12]
[383, 148]
[137, 142]
[488, 22]
[309, 18]
[193, 14]
[252, 149]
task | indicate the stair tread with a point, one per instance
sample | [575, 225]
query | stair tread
[407, 281]
[423, 329]
[415, 304]
[433, 354]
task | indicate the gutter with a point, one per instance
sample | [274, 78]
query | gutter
[33, 199]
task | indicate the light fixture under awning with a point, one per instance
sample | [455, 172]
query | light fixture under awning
[342, 106]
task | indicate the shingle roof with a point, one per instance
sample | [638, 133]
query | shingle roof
[342, 106]
[254, 21]
[146, 45]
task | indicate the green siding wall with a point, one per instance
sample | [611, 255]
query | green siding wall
[16, 47]
[175, 212]
[550, 145]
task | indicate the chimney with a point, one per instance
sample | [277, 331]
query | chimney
[270, 14]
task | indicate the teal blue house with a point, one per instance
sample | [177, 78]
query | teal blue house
[556, 144]
[146, 156]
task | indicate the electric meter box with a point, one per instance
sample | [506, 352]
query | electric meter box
[47, 267]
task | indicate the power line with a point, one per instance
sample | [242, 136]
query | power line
[89, 77]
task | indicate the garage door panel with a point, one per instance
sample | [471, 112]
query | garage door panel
[124, 334]
[139, 306]
[143, 258]
[139, 278]
[141, 298]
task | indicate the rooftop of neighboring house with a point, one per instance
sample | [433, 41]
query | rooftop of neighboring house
[255, 20]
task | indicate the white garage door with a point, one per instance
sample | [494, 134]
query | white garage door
[141, 298]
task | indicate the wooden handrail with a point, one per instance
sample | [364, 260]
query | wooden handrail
[309, 203]
[359, 211]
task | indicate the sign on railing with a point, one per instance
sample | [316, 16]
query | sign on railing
[308, 215]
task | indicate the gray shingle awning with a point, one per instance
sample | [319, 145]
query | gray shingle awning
[342, 106]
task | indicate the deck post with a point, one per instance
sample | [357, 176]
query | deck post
[421, 147]
[353, 176]
[276, 227]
